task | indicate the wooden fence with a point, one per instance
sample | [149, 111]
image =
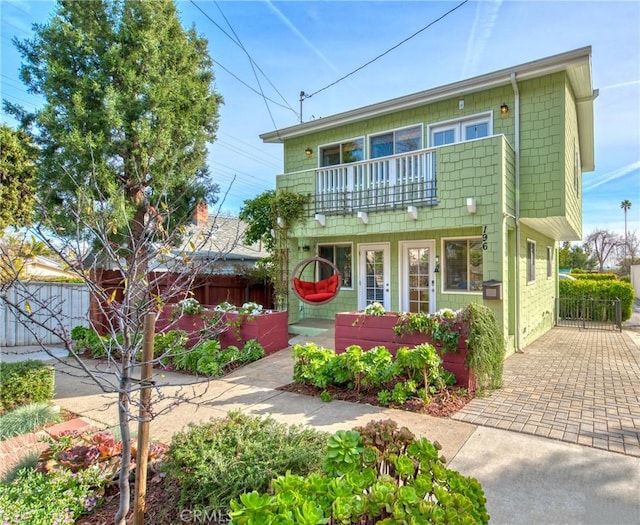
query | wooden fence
[55, 309]
[208, 290]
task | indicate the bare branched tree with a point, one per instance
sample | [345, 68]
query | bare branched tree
[602, 245]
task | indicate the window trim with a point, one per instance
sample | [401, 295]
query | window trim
[550, 262]
[443, 265]
[340, 143]
[340, 244]
[531, 262]
[393, 132]
[458, 125]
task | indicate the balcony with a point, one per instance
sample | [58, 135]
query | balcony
[377, 184]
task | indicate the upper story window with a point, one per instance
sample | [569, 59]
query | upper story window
[460, 130]
[395, 142]
[342, 153]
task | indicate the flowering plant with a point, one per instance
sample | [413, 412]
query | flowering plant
[374, 309]
[190, 306]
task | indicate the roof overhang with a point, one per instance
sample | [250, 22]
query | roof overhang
[576, 63]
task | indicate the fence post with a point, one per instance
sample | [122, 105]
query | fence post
[583, 313]
[619, 313]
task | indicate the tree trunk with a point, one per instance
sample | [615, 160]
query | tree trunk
[125, 465]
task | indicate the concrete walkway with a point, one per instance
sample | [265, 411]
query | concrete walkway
[573, 383]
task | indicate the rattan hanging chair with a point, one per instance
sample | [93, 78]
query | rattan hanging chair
[315, 292]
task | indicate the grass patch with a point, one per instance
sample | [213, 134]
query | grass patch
[27, 418]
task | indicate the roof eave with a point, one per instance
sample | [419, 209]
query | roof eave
[563, 61]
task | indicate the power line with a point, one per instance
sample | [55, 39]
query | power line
[237, 42]
[304, 95]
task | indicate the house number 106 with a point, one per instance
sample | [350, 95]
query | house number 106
[485, 246]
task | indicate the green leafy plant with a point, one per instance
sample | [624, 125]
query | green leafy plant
[25, 382]
[28, 461]
[50, 498]
[27, 418]
[224, 458]
[190, 306]
[485, 347]
[87, 339]
[168, 344]
[602, 290]
[442, 327]
[374, 474]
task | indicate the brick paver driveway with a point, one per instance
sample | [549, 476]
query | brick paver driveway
[581, 386]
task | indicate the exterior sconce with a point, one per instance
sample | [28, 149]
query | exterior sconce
[306, 248]
[280, 222]
[504, 109]
[308, 152]
[437, 268]
[413, 212]
[363, 217]
[471, 205]
[321, 219]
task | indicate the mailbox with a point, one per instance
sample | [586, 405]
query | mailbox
[492, 290]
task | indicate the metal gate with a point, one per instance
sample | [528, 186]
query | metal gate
[589, 313]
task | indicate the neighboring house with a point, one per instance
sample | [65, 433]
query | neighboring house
[421, 199]
[39, 267]
[215, 244]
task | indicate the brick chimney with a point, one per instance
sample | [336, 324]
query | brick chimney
[201, 214]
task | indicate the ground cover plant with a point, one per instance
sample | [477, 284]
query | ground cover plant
[378, 473]
[215, 462]
[413, 380]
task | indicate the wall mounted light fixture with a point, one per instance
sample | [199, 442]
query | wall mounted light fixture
[471, 205]
[363, 217]
[504, 109]
[412, 211]
[306, 248]
[308, 152]
[437, 268]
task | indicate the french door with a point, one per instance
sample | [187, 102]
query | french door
[374, 283]
[417, 276]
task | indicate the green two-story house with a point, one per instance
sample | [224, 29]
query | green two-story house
[448, 196]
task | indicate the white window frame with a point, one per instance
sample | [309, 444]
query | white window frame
[459, 125]
[343, 245]
[393, 133]
[443, 265]
[549, 262]
[531, 261]
[340, 143]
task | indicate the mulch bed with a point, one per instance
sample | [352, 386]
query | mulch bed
[443, 404]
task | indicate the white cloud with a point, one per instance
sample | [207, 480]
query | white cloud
[483, 23]
[613, 175]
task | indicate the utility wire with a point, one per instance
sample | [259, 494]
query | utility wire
[386, 52]
[237, 42]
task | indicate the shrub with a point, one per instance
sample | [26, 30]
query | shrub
[27, 418]
[602, 290]
[373, 474]
[219, 460]
[89, 340]
[595, 276]
[373, 370]
[208, 359]
[45, 499]
[25, 382]
[485, 347]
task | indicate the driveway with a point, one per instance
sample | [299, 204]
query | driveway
[578, 386]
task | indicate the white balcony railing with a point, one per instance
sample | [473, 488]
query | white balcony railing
[377, 184]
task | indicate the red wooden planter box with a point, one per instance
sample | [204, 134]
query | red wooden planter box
[270, 330]
[368, 331]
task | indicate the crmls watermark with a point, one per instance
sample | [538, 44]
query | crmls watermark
[204, 516]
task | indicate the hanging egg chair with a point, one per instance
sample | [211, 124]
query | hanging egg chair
[315, 292]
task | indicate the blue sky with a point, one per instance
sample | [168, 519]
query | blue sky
[306, 46]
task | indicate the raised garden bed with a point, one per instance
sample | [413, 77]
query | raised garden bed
[269, 328]
[368, 331]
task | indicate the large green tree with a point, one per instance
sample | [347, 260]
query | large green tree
[129, 107]
[17, 172]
